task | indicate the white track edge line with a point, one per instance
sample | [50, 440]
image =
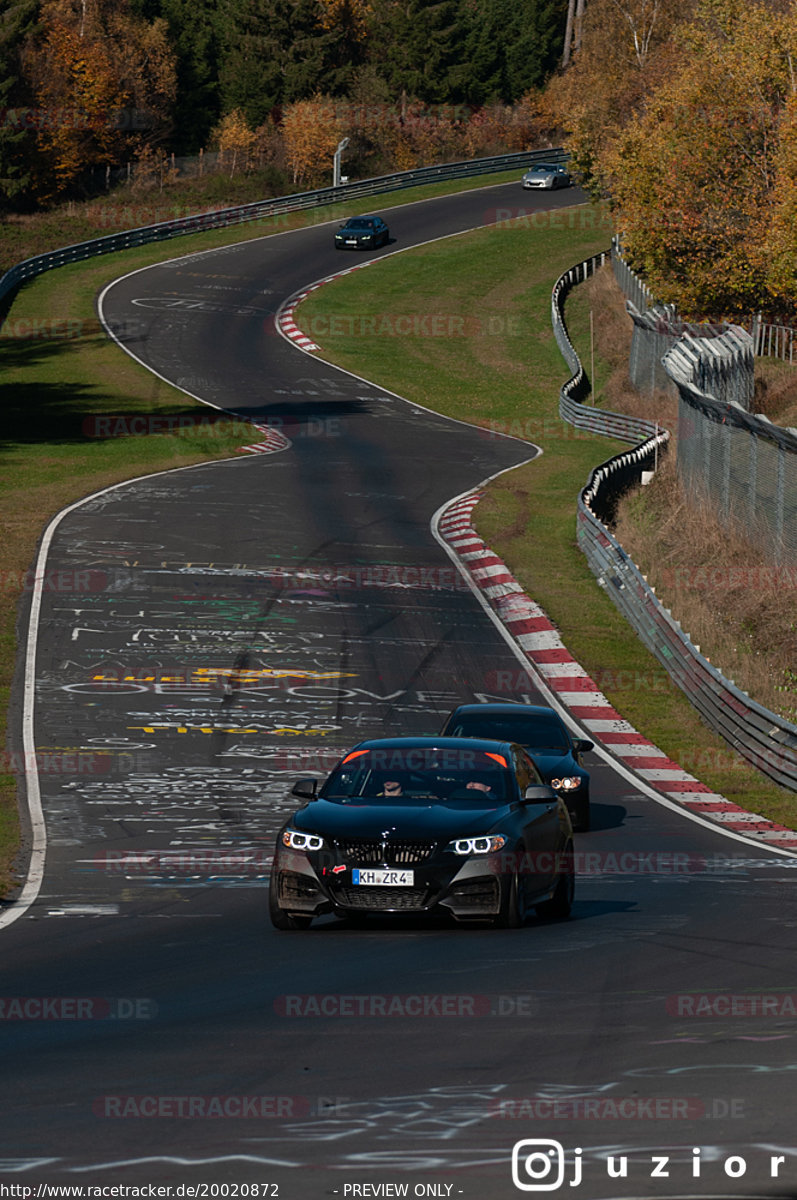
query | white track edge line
[35, 871]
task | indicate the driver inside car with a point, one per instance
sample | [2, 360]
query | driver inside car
[393, 785]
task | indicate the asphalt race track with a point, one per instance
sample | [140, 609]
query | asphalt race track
[230, 627]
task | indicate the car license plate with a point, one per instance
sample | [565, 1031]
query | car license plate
[351, 241]
[380, 877]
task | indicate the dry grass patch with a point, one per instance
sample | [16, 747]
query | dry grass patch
[776, 391]
[734, 603]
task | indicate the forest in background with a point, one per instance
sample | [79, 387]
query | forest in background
[90, 84]
[683, 113]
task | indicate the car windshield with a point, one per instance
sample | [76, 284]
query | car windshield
[533, 731]
[391, 775]
[544, 167]
[359, 223]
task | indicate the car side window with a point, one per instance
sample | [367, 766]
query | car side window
[527, 773]
[524, 776]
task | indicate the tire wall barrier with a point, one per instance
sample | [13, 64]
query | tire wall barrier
[766, 740]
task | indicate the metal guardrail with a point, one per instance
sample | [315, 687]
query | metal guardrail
[240, 214]
[766, 740]
[577, 388]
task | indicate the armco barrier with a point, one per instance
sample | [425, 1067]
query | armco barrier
[223, 217]
[571, 408]
[765, 740]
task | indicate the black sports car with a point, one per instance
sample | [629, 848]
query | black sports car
[414, 825]
[543, 733]
[362, 233]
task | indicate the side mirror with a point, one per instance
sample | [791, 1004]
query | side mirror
[539, 793]
[305, 789]
[581, 745]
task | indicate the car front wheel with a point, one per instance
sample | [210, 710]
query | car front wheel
[511, 915]
[561, 902]
[581, 816]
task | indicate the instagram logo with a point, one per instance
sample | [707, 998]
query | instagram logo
[538, 1165]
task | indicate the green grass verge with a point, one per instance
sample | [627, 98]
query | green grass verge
[495, 363]
[23, 237]
[58, 371]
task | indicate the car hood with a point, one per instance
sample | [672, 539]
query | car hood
[552, 763]
[420, 820]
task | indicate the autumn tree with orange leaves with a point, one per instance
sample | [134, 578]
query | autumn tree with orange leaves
[625, 52]
[350, 16]
[311, 130]
[705, 178]
[236, 141]
[104, 83]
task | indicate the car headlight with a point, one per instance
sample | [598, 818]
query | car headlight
[568, 783]
[478, 845]
[295, 840]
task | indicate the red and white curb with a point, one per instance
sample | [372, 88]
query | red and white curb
[272, 442]
[287, 324]
[541, 644]
[286, 319]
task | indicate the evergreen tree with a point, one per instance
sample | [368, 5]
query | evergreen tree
[513, 46]
[419, 48]
[346, 23]
[484, 56]
[271, 52]
[532, 42]
[17, 140]
[194, 29]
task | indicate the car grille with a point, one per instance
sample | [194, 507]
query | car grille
[377, 899]
[371, 852]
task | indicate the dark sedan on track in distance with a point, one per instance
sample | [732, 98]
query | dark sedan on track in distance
[417, 825]
[543, 733]
[362, 233]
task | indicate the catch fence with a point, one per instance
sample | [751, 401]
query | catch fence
[740, 460]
